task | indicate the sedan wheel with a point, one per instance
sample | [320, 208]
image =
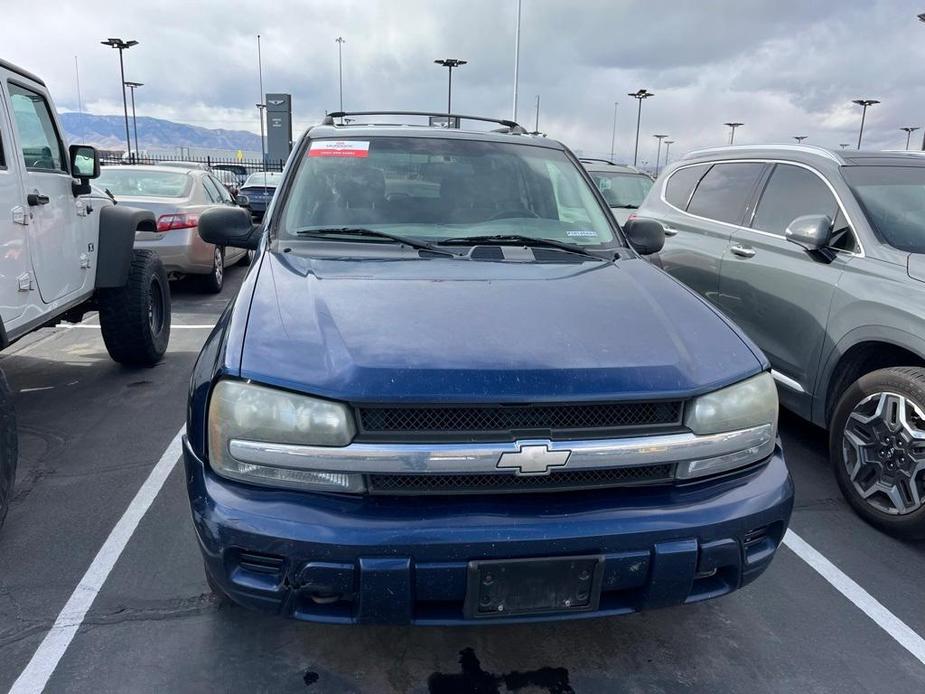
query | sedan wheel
[213, 282]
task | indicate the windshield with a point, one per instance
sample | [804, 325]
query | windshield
[433, 188]
[894, 199]
[264, 178]
[622, 189]
[144, 184]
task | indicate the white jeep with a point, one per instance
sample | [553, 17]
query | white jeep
[66, 248]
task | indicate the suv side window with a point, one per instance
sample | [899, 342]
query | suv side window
[725, 190]
[792, 192]
[682, 183]
[42, 149]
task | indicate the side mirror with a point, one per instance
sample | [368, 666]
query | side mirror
[242, 200]
[85, 162]
[646, 236]
[229, 226]
[812, 232]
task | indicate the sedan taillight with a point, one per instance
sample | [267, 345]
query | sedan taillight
[168, 222]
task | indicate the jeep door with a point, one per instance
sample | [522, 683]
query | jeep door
[15, 267]
[779, 293]
[60, 253]
[706, 202]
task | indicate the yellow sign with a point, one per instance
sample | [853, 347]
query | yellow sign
[239, 156]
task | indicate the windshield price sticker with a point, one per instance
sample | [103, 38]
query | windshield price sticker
[348, 149]
[587, 233]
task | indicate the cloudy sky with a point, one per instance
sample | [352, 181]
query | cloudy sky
[782, 67]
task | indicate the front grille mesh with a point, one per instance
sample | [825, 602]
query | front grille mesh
[493, 419]
[509, 483]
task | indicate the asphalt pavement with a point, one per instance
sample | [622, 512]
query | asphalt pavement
[847, 618]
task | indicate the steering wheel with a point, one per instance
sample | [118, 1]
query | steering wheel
[514, 213]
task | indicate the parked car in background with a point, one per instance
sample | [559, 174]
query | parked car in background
[177, 197]
[623, 187]
[820, 257]
[259, 189]
[239, 170]
[451, 359]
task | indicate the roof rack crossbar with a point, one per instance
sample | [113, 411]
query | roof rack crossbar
[512, 126]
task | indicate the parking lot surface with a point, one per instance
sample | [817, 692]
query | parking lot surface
[91, 432]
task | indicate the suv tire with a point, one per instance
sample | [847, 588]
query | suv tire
[215, 280]
[879, 463]
[9, 448]
[135, 318]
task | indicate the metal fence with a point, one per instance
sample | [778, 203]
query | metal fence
[250, 165]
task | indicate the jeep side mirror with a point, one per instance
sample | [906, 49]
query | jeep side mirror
[812, 232]
[85, 162]
[229, 226]
[242, 200]
[646, 236]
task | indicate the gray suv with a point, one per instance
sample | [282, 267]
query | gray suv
[820, 257]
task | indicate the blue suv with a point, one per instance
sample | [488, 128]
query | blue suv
[451, 391]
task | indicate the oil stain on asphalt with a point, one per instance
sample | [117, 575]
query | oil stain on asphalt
[472, 679]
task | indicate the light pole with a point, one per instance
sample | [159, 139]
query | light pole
[121, 46]
[449, 64]
[613, 132]
[639, 96]
[261, 106]
[863, 103]
[340, 69]
[132, 87]
[732, 130]
[799, 138]
[908, 132]
[668, 144]
[658, 154]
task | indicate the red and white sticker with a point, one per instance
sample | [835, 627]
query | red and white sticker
[339, 148]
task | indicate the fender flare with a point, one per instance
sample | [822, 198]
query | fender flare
[116, 241]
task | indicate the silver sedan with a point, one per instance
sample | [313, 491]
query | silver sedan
[177, 197]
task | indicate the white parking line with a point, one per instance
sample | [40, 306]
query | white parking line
[863, 600]
[51, 650]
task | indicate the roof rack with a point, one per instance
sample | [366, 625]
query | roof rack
[809, 149]
[602, 161]
[512, 127]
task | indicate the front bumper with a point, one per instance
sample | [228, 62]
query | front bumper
[400, 560]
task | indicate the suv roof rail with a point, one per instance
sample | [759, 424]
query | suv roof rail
[512, 127]
[602, 161]
[807, 149]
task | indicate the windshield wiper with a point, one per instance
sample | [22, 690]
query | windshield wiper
[372, 233]
[520, 240]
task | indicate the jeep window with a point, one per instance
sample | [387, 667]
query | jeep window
[724, 191]
[792, 192]
[136, 183]
[439, 188]
[42, 149]
[681, 184]
[625, 190]
[893, 197]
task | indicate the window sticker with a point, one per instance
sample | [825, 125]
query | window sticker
[587, 233]
[346, 149]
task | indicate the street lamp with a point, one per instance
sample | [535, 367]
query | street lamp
[908, 132]
[132, 87]
[668, 144]
[800, 138]
[449, 64]
[613, 133]
[639, 96]
[658, 154]
[121, 46]
[340, 69]
[863, 103]
[732, 130]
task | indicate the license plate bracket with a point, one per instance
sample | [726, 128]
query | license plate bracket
[500, 588]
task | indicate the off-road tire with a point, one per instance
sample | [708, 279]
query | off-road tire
[215, 280]
[135, 318]
[904, 381]
[9, 448]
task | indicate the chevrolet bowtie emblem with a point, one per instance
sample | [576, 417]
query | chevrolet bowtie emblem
[533, 460]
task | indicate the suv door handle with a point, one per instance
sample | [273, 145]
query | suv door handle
[669, 231]
[36, 198]
[743, 251]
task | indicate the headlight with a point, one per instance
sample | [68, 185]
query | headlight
[751, 404]
[248, 412]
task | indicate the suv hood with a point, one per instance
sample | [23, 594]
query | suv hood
[445, 330]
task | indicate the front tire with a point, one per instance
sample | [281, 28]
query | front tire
[877, 445]
[215, 280]
[9, 449]
[135, 318]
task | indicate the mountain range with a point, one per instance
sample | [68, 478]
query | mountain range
[154, 134]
